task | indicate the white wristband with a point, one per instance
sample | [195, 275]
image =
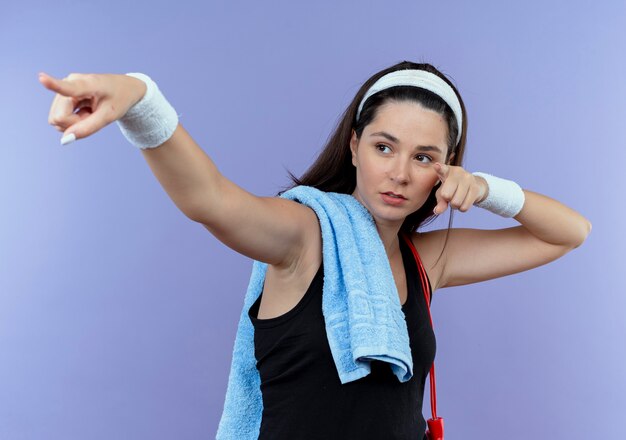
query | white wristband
[152, 120]
[505, 197]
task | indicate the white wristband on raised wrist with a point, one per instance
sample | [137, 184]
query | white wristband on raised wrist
[152, 120]
[505, 197]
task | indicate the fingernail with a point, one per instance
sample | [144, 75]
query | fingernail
[435, 211]
[68, 139]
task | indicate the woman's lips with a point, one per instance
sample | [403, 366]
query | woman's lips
[390, 200]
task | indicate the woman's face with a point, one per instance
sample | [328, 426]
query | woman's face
[396, 153]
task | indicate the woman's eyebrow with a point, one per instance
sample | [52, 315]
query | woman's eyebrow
[396, 140]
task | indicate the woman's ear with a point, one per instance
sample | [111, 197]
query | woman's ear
[354, 146]
[451, 157]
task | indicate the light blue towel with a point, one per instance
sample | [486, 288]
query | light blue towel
[362, 311]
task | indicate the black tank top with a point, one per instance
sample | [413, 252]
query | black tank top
[303, 398]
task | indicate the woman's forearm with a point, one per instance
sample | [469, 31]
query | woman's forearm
[184, 170]
[552, 221]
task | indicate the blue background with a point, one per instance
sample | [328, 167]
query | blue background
[118, 314]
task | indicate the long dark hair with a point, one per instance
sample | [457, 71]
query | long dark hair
[333, 170]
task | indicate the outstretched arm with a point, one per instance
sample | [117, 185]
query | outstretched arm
[268, 229]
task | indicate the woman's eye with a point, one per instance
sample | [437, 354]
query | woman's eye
[423, 155]
[378, 146]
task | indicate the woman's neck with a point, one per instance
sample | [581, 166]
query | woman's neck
[390, 239]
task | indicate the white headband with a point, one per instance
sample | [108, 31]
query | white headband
[418, 78]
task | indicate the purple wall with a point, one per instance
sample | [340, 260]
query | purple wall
[118, 314]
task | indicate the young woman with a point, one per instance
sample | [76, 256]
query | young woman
[398, 150]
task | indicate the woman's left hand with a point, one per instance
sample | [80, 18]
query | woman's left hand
[459, 188]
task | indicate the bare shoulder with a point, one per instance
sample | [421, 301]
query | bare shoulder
[285, 285]
[429, 246]
[307, 258]
[273, 230]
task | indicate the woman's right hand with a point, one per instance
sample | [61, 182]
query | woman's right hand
[86, 102]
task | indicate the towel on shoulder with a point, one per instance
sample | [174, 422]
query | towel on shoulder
[360, 304]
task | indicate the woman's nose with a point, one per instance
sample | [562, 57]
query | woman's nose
[399, 171]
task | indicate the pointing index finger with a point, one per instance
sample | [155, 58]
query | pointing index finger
[65, 87]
